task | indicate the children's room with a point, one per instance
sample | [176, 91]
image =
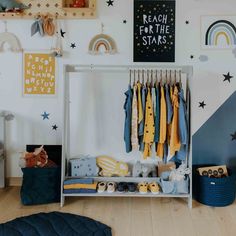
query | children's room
[117, 117]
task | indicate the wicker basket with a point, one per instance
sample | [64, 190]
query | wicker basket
[216, 192]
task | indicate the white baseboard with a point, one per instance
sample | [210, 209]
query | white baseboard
[14, 181]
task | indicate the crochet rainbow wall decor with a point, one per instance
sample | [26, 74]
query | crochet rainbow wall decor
[221, 28]
[11, 40]
[102, 41]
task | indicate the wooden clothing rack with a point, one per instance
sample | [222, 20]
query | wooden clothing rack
[75, 72]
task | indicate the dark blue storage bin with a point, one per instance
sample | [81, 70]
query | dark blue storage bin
[215, 192]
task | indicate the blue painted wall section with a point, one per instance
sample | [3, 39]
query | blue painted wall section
[212, 143]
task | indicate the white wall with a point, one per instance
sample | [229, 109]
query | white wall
[28, 127]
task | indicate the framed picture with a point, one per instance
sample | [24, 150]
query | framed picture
[218, 32]
[154, 31]
[39, 74]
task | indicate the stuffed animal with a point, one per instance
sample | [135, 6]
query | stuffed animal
[38, 158]
[11, 5]
[180, 173]
[110, 167]
[142, 170]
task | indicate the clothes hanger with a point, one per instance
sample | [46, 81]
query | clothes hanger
[180, 82]
[130, 75]
[138, 75]
[143, 77]
[161, 79]
[151, 85]
[147, 84]
[166, 76]
[175, 77]
[156, 82]
[134, 78]
[170, 77]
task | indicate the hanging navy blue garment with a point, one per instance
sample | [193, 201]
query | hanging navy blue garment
[183, 129]
[141, 125]
[157, 117]
[128, 116]
[168, 105]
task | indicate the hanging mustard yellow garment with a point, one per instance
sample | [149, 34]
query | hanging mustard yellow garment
[163, 125]
[174, 138]
[149, 130]
[140, 107]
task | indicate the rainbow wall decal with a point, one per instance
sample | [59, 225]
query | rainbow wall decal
[102, 40]
[221, 28]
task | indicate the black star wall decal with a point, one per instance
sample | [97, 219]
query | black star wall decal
[191, 56]
[110, 3]
[72, 45]
[233, 136]
[186, 22]
[228, 77]
[54, 127]
[62, 33]
[124, 21]
[202, 104]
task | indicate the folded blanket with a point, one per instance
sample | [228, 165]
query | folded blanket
[78, 181]
[79, 191]
[80, 186]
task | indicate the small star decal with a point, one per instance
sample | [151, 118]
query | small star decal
[54, 127]
[62, 33]
[202, 104]
[186, 22]
[124, 21]
[110, 3]
[192, 56]
[45, 115]
[228, 77]
[72, 45]
[233, 136]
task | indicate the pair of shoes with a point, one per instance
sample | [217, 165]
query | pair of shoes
[123, 187]
[110, 187]
[152, 187]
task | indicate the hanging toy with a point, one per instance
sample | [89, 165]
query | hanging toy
[10, 39]
[11, 5]
[37, 27]
[57, 51]
[102, 40]
[48, 25]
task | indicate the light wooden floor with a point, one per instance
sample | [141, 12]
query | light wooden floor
[136, 216]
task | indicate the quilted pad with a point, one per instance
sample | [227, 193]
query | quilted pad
[54, 223]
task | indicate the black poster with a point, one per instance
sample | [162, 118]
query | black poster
[154, 31]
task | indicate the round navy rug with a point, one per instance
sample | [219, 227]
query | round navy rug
[54, 223]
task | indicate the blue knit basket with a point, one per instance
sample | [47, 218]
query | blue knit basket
[215, 192]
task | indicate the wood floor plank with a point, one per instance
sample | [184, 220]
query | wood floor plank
[141, 223]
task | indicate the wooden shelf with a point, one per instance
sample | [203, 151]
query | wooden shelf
[56, 8]
[126, 194]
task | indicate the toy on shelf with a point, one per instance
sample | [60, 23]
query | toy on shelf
[78, 4]
[144, 170]
[110, 167]
[12, 6]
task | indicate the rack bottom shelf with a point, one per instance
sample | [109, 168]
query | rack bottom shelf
[116, 194]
